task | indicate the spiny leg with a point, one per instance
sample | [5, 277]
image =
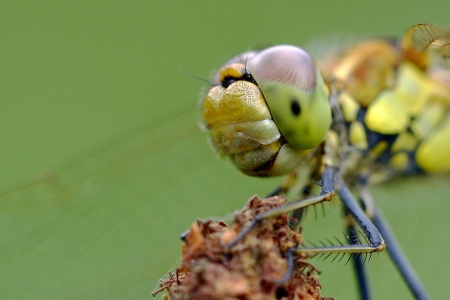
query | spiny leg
[374, 237]
[356, 248]
[395, 251]
[363, 283]
[326, 194]
[297, 214]
[360, 272]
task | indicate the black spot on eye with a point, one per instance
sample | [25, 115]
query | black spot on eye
[295, 107]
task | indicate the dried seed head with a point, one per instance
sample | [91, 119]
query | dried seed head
[251, 269]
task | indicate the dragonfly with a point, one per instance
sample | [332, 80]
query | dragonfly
[85, 229]
[371, 112]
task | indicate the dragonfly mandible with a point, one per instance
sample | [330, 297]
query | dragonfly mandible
[381, 110]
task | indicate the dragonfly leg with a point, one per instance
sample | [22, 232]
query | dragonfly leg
[394, 249]
[361, 274]
[360, 271]
[399, 258]
[287, 184]
[376, 242]
[326, 194]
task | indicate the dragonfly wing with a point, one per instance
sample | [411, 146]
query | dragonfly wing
[104, 224]
[422, 39]
[88, 229]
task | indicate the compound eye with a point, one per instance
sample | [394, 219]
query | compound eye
[295, 94]
[286, 64]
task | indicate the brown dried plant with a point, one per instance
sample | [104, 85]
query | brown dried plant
[257, 267]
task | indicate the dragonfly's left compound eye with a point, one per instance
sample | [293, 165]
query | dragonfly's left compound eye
[295, 94]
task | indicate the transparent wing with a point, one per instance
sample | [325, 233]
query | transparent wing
[103, 167]
[423, 39]
[91, 229]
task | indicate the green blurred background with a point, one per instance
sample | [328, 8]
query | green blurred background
[75, 74]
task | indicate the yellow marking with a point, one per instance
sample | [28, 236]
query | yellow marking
[232, 70]
[400, 161]
[414, 88]
[391, 111]
[405, 141]
[379, 148]
[433, 154]
[387, 115]
[429, 117]
[349, 106]
[358, 135]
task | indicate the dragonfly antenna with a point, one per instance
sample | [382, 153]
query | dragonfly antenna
[195, 77]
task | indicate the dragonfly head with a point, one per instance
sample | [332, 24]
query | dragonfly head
[268, 109]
